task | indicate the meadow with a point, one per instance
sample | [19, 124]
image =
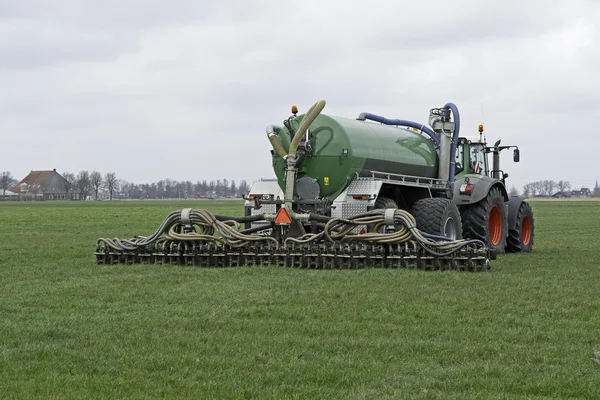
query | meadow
[528, 328]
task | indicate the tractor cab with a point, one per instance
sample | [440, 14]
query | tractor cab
[471, 156]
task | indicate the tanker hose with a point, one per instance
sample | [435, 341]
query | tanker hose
[341, 229]
[277, 146]
[203, 227]
[290, 172]
[312, 113]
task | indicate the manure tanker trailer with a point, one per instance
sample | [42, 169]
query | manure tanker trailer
[351, 193]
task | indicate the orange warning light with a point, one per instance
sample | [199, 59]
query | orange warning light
[480, 128]
[294, 110]
[282, 217]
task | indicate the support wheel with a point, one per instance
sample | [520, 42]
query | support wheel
[385, 202]
[382, 203]
[438, 216]
[520, 239]
[487, 221]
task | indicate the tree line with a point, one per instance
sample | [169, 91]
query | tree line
[94, 184]
[546, 188]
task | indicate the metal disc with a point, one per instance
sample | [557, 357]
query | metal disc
[307, 188]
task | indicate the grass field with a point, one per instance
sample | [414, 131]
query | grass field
[70, 329]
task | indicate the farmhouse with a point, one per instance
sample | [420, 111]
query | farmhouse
[45, 185]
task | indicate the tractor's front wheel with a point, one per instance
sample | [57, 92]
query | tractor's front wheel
[438, 216]
[520, 239]
[486, 221]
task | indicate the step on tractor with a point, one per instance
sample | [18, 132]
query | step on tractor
[355, 193]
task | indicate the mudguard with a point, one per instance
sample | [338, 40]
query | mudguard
[513, 208]
[481, 188]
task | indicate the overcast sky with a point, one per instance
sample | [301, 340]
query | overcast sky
[153, 89]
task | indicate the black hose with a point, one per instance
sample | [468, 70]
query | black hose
[319, 217]
[247, 218]
[451, 251]
[447, 239]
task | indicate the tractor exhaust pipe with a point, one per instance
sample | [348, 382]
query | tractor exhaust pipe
[496, 161]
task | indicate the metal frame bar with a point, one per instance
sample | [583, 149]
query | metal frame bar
[407, 180]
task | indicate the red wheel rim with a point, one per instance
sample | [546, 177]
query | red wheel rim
[526, 230]
[495, 226]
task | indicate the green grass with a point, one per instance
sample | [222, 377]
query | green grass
[71, 329]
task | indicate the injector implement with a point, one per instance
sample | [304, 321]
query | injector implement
[353, 193]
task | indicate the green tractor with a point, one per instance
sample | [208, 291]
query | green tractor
[488, 213]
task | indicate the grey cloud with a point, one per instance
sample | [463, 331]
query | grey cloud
[185, 90]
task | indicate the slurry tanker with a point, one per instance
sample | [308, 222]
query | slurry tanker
[355, 193]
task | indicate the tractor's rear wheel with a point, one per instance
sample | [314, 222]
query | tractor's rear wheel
[520, 239]
[438, 216]
[385, 202]
[486, 221]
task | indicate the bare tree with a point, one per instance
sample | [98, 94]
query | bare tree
[563, 186]
[527, 189]
[549, 186]
[83, 184]
[96, 182]
[6, 182]
[538, 188]
[69, 183]
[110, 182]
[243, 188]
[513, 191]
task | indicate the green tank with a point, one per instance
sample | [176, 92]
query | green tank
[341, 148]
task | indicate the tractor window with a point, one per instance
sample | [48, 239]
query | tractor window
[477, 159]
[459, 159]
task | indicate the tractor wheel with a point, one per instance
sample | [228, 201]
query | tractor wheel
[520, 239]
[486, 221]
[384, 202]
[438, 216]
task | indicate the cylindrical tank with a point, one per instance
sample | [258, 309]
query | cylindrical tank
[341, 148]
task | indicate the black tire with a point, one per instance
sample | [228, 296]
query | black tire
[520, 238]
[476, 219]
[385, 202]
[382, 203]
[438, 216]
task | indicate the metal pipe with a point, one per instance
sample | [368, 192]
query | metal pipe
[275, 142]
[401, 122]
[456, 117]
[496, 164]
[445, 159]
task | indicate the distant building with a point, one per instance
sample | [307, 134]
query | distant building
[8, 195]
[45, 185]
[583, 192]
[561, 194]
